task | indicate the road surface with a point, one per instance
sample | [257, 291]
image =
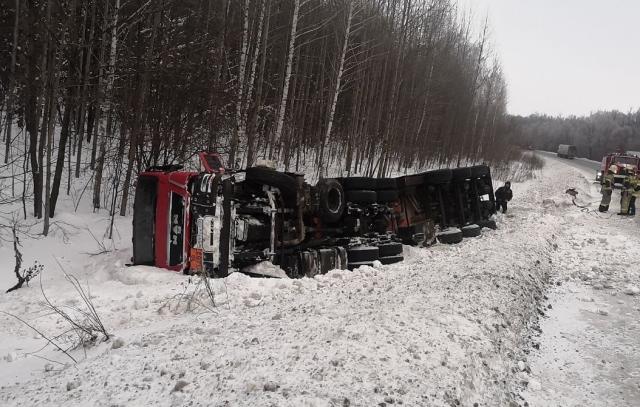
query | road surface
[579, 163]
[591, 329]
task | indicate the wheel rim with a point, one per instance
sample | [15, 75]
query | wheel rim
[334, 200]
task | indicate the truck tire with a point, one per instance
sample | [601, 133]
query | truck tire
[472, 230]
[460, 174]
[329, 260]
[490, 223]
[359, 183]
[362, 197]
[361, 254]
[331, 200]
[478, 171]
[285, 183]
[450, 237]
[352, 266]
[391, 259]
[437, 177]
[387, 196]
[390, 249]
[411, 181]
[386, 184]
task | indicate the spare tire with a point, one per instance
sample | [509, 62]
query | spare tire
[331, 200]
[387, 196]
[451, 236]
[361, 254]
[359, 183]
[285, 183]
[390, 249]
[472, 230]
[386, 183]
[362, 197]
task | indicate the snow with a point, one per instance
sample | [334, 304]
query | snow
[588, 350]
[449, 231]
[452, 324]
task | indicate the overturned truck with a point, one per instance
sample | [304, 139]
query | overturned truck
[220, 220]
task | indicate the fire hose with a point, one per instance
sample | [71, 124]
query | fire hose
[574, 194]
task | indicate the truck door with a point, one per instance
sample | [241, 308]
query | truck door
[176, 224]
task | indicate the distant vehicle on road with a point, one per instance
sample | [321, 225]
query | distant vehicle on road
[567, 151]
[622, 165]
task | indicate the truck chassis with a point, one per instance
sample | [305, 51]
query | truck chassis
[218, 221]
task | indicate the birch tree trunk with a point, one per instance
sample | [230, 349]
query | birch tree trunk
[85, 90]
[253, 129]
[69, 105]
[240, 117]
[287, 76]
[252, 72]
[337, 88]
[10, 90]
[136, 136]
[105, 107]
[53, 89]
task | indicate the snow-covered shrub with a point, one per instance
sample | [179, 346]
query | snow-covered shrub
[32, 272]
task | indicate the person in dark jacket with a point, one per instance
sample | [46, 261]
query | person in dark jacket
[503, 195]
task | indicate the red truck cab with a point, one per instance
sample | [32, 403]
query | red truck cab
[161, 232]
[622, 165]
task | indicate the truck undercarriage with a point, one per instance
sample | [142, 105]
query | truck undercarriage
[218, 221]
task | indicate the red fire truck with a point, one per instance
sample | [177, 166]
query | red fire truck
[622, 165]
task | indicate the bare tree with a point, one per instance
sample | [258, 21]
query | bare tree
[11, 87]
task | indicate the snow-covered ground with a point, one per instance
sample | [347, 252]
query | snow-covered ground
[451, 325]
[588, 350]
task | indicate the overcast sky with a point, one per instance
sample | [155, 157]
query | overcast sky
[564, 57]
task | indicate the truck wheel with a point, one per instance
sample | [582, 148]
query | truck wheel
[451, 236]
[391, 259]
[386, 183]
[331, 200]
[359, 183]
[329, 260]
[387, 196]
[362, 197]
[285, 183]
[355, 265]
[491, 224]
[390, 249]
[472, 230]
[411, 180]
[460, 174]
[362, 254]
[437, 177]
[478, 171]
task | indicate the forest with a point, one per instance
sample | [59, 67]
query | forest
[594, 135]
[94, 91]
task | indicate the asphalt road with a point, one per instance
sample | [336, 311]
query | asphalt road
[579, 163]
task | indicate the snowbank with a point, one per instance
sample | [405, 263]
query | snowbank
[447, 326]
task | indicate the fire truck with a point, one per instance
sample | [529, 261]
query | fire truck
[622, 165]
[219, 220]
